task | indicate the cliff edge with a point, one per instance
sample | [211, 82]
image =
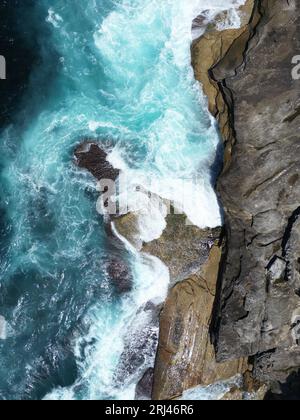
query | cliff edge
[253, 95]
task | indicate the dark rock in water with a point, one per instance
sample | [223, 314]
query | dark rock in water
[90, 156]
[144, 387]
[120, 274]
[93, 158]
[287, 391]
[140, 345]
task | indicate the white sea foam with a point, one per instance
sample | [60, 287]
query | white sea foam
[54, 18]
[3, 328]
[155, 275]
[94, 125]
[174, 161]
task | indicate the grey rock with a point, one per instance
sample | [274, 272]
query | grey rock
[258, 298]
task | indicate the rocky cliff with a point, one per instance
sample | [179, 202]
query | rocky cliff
[253, 95]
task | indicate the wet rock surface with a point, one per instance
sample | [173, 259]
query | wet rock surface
[140, 347]
[92, 157]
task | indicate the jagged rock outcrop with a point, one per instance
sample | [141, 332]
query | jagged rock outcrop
[186, 356]
[258, 304]
[182, 247]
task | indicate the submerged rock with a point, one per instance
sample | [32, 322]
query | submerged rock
[140, 345]
[120, 275]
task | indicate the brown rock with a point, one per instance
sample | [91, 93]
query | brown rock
[186, 357]
[128, 227]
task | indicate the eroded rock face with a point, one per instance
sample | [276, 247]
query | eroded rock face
[258, 303]
[186, 357]
[211, 52]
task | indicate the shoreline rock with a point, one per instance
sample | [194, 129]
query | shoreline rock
[186, 357]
